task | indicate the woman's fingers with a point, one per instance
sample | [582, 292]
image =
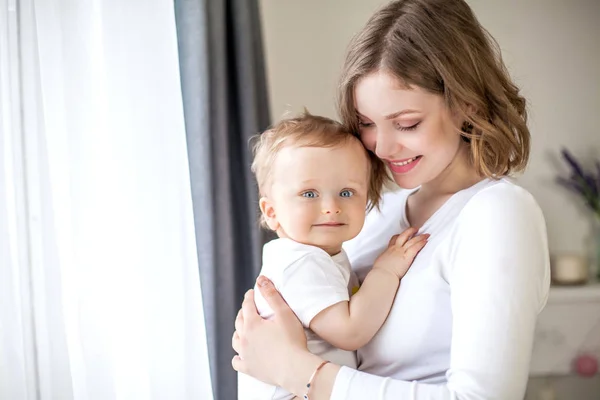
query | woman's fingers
[235, 342]
[265, 347]
[236, 363]
[239, 321]
[249, 312]
[271, 295]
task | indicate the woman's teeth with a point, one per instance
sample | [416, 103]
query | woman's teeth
[399, 164]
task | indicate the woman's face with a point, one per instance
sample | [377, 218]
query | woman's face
[412, 130]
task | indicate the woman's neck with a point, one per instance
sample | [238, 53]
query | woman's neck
[458, 175]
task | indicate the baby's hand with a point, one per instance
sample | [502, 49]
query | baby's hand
[401, 252]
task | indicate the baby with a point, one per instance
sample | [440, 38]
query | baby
[316, 182]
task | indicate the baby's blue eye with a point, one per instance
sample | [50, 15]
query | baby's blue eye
[346, 193]
[309, 194]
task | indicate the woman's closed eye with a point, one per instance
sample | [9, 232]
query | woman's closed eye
[406, 127]
[397, 125]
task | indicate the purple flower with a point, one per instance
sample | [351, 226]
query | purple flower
[591, 181]
[584, 183]
[569, 184]
[572, 162]
[598, 177]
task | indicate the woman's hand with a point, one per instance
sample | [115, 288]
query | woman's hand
[268, 349]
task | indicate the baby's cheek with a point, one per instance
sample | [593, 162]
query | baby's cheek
[358, 218]
[301, 219]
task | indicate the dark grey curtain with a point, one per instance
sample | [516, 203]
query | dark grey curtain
[225, 103]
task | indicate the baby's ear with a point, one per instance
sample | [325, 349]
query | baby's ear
[268, 210]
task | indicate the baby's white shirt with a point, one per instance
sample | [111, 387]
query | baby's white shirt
[310, 280]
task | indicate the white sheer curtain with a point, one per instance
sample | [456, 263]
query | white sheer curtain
[99, 285]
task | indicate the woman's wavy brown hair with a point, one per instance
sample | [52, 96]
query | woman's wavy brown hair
[440, 46]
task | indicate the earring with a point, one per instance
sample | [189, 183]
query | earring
[467, 127]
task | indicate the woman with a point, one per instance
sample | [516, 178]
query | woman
[426, 90]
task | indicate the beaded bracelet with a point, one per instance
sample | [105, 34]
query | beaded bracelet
[312, 378]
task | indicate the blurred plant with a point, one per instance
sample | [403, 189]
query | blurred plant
[584, 182]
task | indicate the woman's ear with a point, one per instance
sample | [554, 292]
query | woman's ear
[268, 210]
[461, 115]
[470, 109]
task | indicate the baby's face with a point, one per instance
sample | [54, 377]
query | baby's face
[319, 195]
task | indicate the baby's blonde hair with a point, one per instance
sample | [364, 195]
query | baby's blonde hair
[309, 130]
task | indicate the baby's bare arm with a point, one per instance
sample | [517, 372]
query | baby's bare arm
[349, 325]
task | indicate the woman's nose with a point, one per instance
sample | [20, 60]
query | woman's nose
[387, 144]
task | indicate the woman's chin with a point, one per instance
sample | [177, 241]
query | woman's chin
[405, 181]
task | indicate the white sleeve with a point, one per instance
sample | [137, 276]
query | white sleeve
[312, 284]
[499, 282]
